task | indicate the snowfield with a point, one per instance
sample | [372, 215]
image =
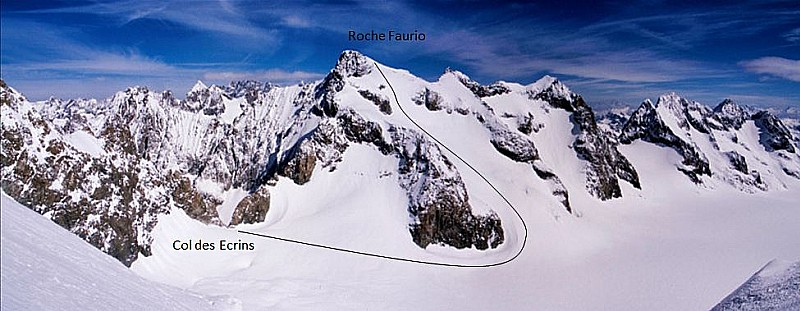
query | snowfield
[668, 248]
[45, 267]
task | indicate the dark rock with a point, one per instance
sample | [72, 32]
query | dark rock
[252, 209]
[197, 205]
[525, 124]
[430, 99]
[300, 165]
[382, 103]
[557, 188]
[645, 124]
[731, 114]
[738, 161]
[510, 144]
[773, 134]
[606, 164]
[248, 89]
[438, 198]
[478, 89]
[332, 84]
[353, 64]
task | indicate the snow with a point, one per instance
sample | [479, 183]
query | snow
[45, 267]
[775, 287]
[232, 110]
[230, 199]
[86, 142]
[668, 241]
[198, 86]
[541, 84]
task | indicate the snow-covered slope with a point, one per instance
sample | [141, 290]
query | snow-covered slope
[775, 287]
[45, 267]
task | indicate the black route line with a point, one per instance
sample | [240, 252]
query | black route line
[432, 263]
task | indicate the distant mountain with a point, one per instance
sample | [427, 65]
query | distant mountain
[106, 170]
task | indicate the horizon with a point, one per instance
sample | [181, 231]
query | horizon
[612, 54]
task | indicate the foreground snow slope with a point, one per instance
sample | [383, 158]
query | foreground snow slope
[775, 287]
[45, 267]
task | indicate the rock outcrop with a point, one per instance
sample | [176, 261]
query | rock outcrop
[606, 165]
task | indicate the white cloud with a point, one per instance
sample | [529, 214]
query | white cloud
[104, 63]
[296, 22]
[272, 75]
[585, 57]
[215, 17]
[776, 66]
[793, 35]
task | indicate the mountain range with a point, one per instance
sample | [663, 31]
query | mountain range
[239, 155]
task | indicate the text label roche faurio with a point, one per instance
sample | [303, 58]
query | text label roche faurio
[390, 35]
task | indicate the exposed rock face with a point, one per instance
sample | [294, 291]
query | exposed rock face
[521, 149]
[687, 125]
[774, 135]
[557, 188]
[353, 64]
[301, 164]
[110, 199]
[438, 198]
[205, 99]
[738, 161]
[730, 114]
[525, 124]
[382, 103]
[198, 205]
[606, 164]
[614, 120]
[430, 99]
[646, 124]
[478, 89]
[252, 209]
[248, 89]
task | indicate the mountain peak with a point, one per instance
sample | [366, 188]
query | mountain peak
[198, 86]
[729, 106]
[669, 98]
[475, 87]
[551, 85]
[9, 96]
[458, 74]
[353, 64]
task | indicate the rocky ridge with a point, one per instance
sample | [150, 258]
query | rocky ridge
[710, 141]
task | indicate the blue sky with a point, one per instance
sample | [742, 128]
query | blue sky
[613, 53]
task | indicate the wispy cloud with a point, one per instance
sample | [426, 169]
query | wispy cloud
[52, 51]
[583, 56]
[272, 75]
[219, 17]
[296, 21]
[775, 66]
[792, 35]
